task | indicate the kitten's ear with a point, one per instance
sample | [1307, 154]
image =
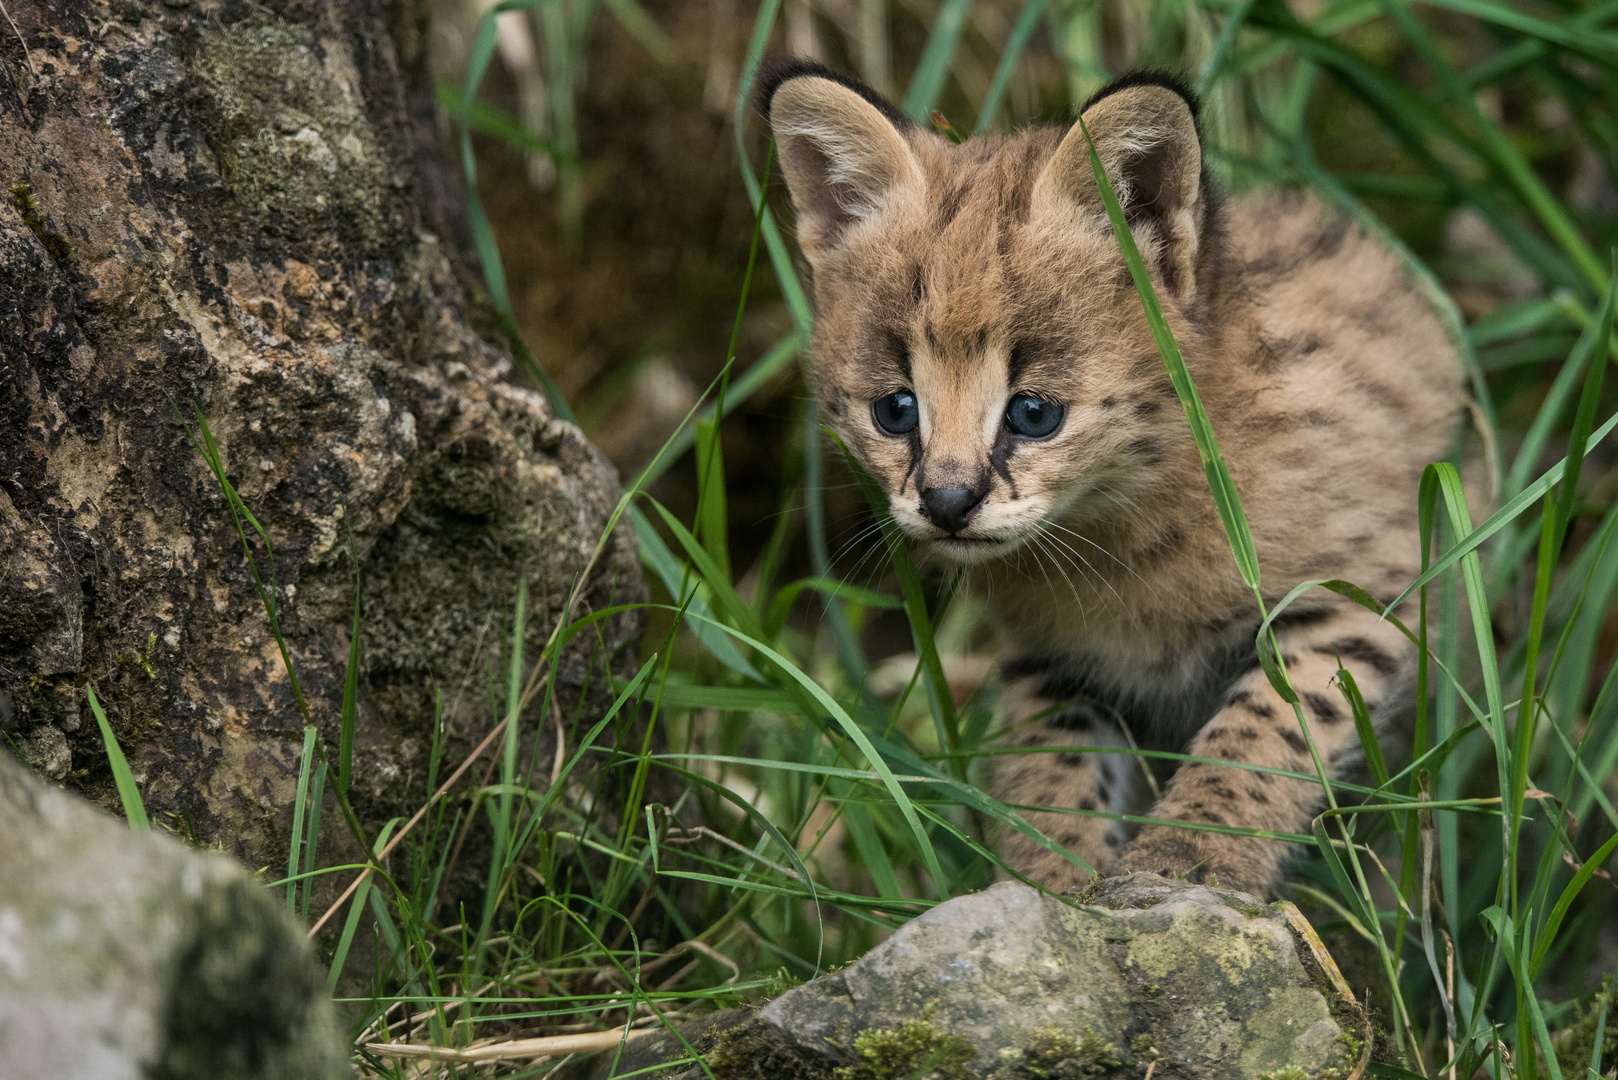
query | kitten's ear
[841, 151]
[1146, 135]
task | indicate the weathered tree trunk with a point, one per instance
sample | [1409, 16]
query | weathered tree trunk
[236, 206]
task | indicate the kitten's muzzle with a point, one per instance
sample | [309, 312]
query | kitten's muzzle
[951, 508]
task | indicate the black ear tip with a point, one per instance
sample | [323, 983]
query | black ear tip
[1168, 80]
[777, 73]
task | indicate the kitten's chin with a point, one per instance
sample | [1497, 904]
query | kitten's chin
[966, 550]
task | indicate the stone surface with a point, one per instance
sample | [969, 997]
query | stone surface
[239, 209]
[1015, 984]
[128, 956]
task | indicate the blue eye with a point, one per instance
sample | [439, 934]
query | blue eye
[1033, 417]
[896, 414]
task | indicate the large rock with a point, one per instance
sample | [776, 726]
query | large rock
[239, 209]
[126, 957]
[1016, 984]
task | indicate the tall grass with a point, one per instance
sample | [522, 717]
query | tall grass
[829, 797]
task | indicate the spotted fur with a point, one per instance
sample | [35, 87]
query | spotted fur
[969, 273]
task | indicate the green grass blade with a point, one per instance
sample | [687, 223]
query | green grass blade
[311, 837]
[356, 911]
[656, 554]
[483, 241]
[712, 520]
[643, 28]
[128, 791]
[1597, 46]
[1506, 934]
[863, 741]
[1021, 31]
[1553, 921]
[1362, 725]
[1220, 482]
[1474, 538]
[940, 700]
[927, 83]
[485, 119]
[786, 273]
[299, 804]
[1213, 68]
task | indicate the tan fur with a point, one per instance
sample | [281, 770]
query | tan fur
[1329, 382]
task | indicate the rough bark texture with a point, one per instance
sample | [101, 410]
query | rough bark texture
[231, 206]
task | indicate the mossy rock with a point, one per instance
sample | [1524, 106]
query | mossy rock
[1015, 984]
[126, 956]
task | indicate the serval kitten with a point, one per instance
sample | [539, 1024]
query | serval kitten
[981, 349]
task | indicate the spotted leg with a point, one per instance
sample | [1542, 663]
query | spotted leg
[1254, 725]
[1070, 780]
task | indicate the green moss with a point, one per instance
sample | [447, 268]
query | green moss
[1053, 1054]
[1577, 1042]
[761, 1051]
[1291, 1072]
[288, 132]
[913, 1051]
[26, 204]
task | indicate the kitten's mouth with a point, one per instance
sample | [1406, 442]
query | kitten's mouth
[971, 549]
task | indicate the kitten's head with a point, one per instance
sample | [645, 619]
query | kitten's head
[979, 344]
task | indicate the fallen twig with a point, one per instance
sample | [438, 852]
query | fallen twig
[590, 1042]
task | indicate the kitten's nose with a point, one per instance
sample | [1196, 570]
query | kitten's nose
[950, 508]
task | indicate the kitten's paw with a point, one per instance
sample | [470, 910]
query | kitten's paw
[1224, 862]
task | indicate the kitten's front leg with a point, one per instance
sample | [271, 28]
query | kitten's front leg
[1046, 775]
[1255, 726]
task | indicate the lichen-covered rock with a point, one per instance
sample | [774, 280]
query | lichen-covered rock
[238, 209]
[1015, 984]
[127, 956]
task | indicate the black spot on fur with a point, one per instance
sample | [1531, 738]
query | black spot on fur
[1147, 449]
[1000, 460]
[1109, 402]
[950, 205]
[1294, 740]
[1324, 708]
[1088, 803]
[1365, 651]
[1303, 615]
[1016, 363]
[1258, 796]
[1382, 395]
[1165, 545]
[1327, 240]
[1024, 666]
